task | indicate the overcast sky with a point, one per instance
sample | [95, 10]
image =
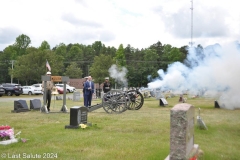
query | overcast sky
[139, 23]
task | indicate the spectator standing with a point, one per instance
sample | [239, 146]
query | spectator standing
[88, 91]
[86, 78]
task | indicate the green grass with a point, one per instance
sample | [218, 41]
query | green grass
[143, 134]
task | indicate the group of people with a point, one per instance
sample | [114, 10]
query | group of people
[88, 90]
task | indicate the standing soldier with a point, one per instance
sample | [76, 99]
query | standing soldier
[48, 92]
[106, 85]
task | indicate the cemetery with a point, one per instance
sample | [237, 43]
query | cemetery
[164, 128]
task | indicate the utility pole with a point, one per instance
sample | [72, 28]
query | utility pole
[191, 43]
[12, 70]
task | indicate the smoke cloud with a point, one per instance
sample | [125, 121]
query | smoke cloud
[119, 74]
[212, 72]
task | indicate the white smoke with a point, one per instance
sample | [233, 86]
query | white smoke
[213, 73]
[119, 74]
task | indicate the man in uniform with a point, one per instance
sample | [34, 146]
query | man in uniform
[48, 92]
[106, 85]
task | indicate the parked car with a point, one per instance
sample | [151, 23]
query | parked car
[69, 89]
[60, 90]
[31, 90]
[12, 88]
[38, 86]
[2, 91]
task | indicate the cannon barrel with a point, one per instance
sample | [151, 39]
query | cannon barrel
[94, 107]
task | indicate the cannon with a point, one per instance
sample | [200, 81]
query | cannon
[117, 101]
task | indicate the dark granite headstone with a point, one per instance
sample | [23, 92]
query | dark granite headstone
[78, 115]
[20, 106]
[216, 104]
[35, 104]
[83, 115]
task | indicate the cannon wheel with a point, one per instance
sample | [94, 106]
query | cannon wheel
[115, 101]
[136, 99]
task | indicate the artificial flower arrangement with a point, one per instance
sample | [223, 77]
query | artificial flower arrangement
[83, 126]
[7, 135]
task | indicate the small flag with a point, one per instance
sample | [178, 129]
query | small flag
[48, 66]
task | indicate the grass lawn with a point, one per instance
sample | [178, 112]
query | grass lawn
[133, 135]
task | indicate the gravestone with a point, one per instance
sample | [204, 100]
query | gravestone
[180, 98]
[182, 145]
[20, 106]
[83, 115]
[200, 122]
[216, 105]
[76, 96]
[59, 98]
[35, 104]
[163, 102]
[78, 115]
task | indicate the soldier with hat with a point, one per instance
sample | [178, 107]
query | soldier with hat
[106, 85]
[48, 91]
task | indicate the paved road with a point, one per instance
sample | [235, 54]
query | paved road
[13, 98]
[27, 97]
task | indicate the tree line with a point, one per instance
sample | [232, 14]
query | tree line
[24, 64]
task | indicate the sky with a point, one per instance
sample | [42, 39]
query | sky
[139, 23]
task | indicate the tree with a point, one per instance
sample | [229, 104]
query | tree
[129, 54]
[73, 71]
[23, 68]
[135, 66]
[75, 54]
[120, 56]
[7, 59]
[150, 65]
[21, 44]
[61, 50]
[87, 59]
[97, 46]
[184, 50]
[44, 46]
[30, 67]
[100, 66]
[173, 54]
[159, 49]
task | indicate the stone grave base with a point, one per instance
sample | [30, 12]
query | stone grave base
[8, 141]
[194, 153]
[89, 124]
